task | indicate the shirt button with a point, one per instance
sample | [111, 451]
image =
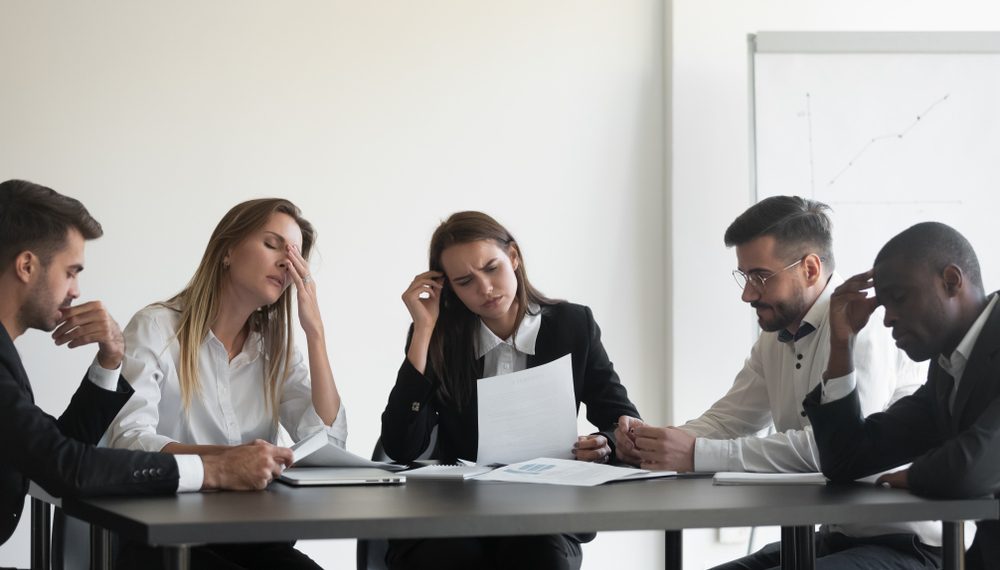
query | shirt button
[799, 357]
[798, 365]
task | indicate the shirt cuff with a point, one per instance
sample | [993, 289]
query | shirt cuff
[713, 455]
[192, 473]
[339, 428]
[104, 378]
[837, 388]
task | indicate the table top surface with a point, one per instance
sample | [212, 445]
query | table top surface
[479, 508]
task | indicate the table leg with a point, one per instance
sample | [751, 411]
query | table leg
[953, 543]
[673, 554]
[100, 548]
[805, 547]
[798, 547]
[177, 557]
[41, 538]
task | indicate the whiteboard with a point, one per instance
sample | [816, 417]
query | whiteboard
[888, 129]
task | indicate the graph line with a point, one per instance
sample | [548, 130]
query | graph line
[885, 137]
[812, 166]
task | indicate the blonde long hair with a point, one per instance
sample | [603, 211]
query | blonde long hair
[199, 302]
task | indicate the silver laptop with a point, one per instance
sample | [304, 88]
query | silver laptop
[307, 476]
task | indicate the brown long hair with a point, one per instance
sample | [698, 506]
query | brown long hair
[452, 347]
[198, 303]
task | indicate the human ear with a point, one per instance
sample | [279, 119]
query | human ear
[953, 279]
[25, 264]
[514, 254]
[814, 268]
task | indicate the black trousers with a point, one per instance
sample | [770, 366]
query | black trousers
[259, 556]
[836, 551]
[546, 552]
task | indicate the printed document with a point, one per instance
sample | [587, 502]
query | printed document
[531, 413]
[565, 472]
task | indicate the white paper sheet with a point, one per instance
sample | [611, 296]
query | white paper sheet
[318, 450]
[531, 413]
[558, 472]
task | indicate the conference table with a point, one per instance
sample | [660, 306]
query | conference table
[478, 508]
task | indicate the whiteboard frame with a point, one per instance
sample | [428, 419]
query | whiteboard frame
[852, 42]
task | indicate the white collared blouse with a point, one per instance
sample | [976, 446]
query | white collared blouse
[229, 409]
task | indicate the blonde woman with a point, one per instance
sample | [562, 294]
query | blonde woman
[215, 366]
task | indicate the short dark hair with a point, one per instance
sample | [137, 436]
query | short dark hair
[935, 245]
[799, 226]
[34, 217]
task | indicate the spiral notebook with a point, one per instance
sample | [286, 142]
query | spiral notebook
[459, 471]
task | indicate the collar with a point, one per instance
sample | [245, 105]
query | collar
[817, 315]
[955, 364]
[523, 338]
[253, 346]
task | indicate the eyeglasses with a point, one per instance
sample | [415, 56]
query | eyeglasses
[758, 280]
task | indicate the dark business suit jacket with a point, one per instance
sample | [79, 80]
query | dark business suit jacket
[954, 455]
[415, 405]
[60, 455]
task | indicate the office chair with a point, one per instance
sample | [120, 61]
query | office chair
[371, 552]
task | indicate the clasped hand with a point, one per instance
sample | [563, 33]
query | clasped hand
[654, 448]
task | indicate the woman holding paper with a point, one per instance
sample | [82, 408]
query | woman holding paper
[476, 315]
[215, 365]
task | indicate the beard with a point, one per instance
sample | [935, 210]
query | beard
[38, 311]
[784, 312]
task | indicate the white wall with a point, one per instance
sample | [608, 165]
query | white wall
[710, 330]
[377, 118]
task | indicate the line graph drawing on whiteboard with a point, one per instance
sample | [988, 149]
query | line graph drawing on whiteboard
[872, 141]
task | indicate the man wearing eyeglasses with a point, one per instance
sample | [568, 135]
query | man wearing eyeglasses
[785, 270]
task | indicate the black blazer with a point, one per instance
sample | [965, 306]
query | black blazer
[59, 454]
[415, 405]
[953, 456]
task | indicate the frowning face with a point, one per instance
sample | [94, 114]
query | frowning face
[481, 274]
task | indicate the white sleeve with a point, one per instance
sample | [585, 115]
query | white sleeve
[192, 473]
[136, 423]
[102, 377]
[296, 409]
[727, 432]
[790, 451]
[744, 410]
[837, 388]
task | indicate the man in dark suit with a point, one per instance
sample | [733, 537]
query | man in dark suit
[42, 236]
[929, 281]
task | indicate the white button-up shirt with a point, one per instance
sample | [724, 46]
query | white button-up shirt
[229, 409]
[770, 389]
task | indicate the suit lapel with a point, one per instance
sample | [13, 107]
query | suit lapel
[543, 354]
[943, 384]
[12, 360]
[981, 368]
